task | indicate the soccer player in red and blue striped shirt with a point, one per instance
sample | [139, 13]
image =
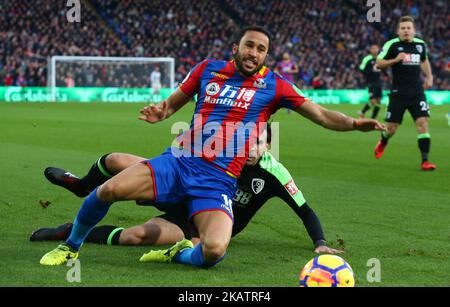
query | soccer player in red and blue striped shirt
[234, 101]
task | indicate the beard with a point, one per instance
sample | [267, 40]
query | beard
[239, 59]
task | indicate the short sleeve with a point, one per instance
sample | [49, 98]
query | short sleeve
[291, 97]
[283, 184]
[191, 83]
[387, 52]
[364, 62]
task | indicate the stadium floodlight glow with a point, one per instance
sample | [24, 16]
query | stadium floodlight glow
[105, 71]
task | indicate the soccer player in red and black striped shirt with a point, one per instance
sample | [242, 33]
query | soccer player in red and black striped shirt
[235, 100]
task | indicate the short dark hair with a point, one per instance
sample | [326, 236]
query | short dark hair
[406, 19]
[252, 28]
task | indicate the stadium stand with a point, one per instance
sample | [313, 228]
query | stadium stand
[326, 39]
[33, 31]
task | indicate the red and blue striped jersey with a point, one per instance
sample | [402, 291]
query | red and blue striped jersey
[230, 110]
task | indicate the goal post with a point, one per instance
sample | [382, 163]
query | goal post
[152, 73]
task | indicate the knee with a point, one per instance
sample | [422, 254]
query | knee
[114, 163]
[214, 249]
[106, 192]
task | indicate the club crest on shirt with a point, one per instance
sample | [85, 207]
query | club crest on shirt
[260, 83]
[419, 48]
[212, 88]
[257, 185]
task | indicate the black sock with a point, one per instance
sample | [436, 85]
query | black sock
[384, 138]
[424, 146]
[366, 108]
[107, 234]
[96, 176]
[375, 111]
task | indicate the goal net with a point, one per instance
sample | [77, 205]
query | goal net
[155, 76]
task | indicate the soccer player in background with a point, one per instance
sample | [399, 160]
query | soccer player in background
[408, 57]
[287, 68]
[262, 178]
[372, 76]
[155, 80]
[231, 94]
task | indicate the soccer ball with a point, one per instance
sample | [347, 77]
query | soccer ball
[327, 271]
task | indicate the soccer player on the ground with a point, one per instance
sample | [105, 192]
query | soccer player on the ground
[373, 82]
[408, 57]
[262, 178]
[235, 99]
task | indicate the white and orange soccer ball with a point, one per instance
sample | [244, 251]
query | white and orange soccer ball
[327, 271]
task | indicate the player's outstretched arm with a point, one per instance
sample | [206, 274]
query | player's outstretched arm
[157, 112]
[334, 120]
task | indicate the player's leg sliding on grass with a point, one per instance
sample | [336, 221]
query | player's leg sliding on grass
[212, 249]
[136, 182]
[209, 224]
[172, 226]
[156, 231]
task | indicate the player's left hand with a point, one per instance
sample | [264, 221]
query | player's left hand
[327, 250]
[368, 125]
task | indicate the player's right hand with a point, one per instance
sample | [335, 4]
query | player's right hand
[400, 57]
[154, 112]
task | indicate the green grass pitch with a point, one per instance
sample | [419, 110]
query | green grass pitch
[386, 209]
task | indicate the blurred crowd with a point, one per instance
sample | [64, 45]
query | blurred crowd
[325, 40]
[32, 31]
[188, 31]
[328, 39]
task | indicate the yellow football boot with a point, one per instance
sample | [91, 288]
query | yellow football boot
[166, 255]
[59, 255]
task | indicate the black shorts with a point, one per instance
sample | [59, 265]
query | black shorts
[398, 103]
[375, 91]
[181, 221]
[175, 213]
